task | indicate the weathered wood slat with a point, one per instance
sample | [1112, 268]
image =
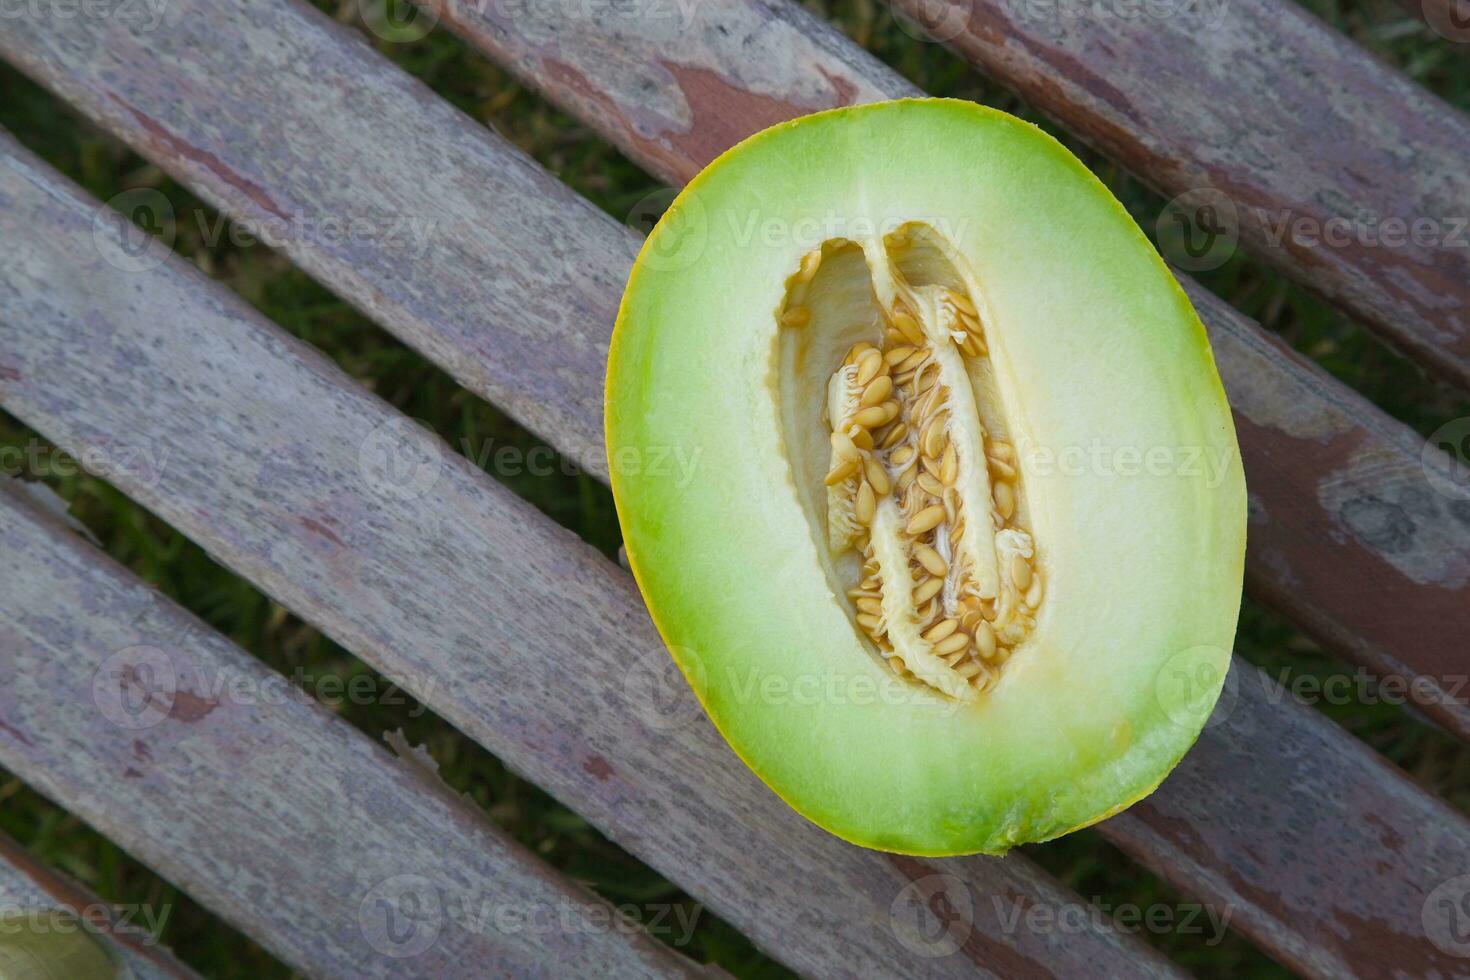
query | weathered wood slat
[26, 883]
[675, 91]
[540, 649]
[1312, 553]
[231, 782]
[1275, 921]
[257, 447]
[1344, 174]
[1298, 828]
[1340, 506]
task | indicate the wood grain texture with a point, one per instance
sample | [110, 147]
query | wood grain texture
[1289, 120]
[1327, 854]
[231, 782]
[1317, 885]
[527, 639]
[675, 84]
[537, 647]
[429, 252]
[1340, 506]
[27, 884]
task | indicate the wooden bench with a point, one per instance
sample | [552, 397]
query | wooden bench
[538, 648]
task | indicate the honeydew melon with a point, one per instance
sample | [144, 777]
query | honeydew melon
[955, 559]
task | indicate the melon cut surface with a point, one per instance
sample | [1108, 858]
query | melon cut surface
[926, 474]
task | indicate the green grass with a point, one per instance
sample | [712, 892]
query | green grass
[183, 571]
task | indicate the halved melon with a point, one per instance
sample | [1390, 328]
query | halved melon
[954, 557]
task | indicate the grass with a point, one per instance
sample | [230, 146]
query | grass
[184, 572]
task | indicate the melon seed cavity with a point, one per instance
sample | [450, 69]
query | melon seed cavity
[924, 507]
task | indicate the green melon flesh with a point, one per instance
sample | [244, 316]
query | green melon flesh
[49, 944]
[1098, 370]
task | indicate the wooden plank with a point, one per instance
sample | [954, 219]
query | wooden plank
[1280, 816]
[675, 91]
[278, 815]
[1274, 918]
[27, 884]
[540, 649]
[526, 638]
[1340, 506]
[1343, 174]
[1322, 465]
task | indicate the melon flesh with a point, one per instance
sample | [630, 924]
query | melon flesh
[1122, 489]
